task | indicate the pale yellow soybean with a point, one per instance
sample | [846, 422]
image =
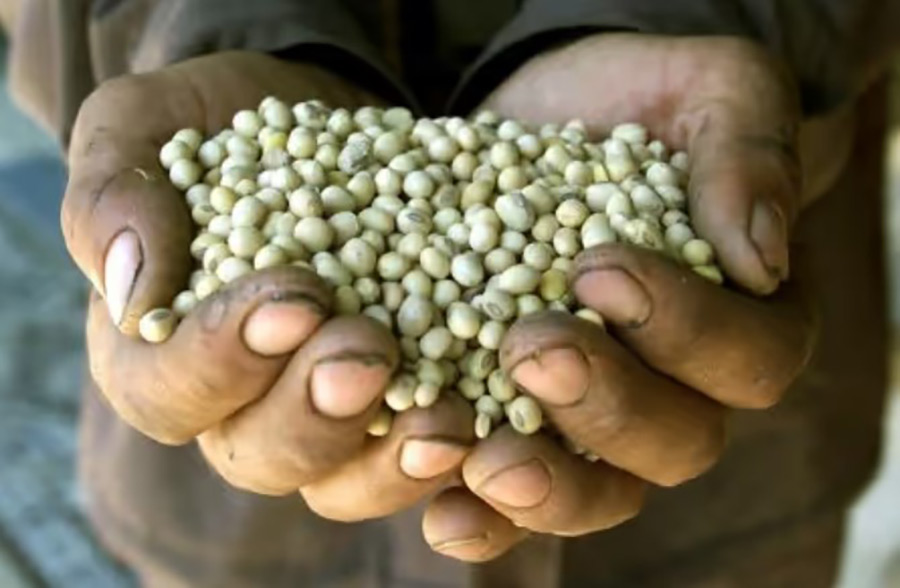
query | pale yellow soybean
[643, 233]
[232, 268]
[347, 301]
[244, 242]
[203, 213]
[525, 415]
[566, 242]
[488, 405]
[479, 363]
[380, 314]
[435, 343]
[590, 315]
[315, 234]
[392, 295]
[446, 292]
[184, 303]
[207, 285]
[377, 219]
[411, 220]
[346, 226]
[463, 321]
[483, 425]
[528, 304]
[198, 194]
[513, 241]
[202, 242]
[710, 272]
[426, 394]
[554, 285]
[270, 256]
[429, 370]
[332, 271]
[498, 260]
[359, 257]
[470, 388]
[491, 334]
[369, 290]
[496, 305]
[157, 325]
[184, 173]
[467, 270]
[572, 213]
[272, 199]
[545, 228]
[515, 211]
[538, 255]
[392, 266]
[512, 178]
[630, 133]
[173, 151]
[222, 199]
[214, 255]
[220, 225]
[500, 387]
[697, 252]
[674, 217]
[504, 154]
[483, 237]
[677, 236]
[400, 393]
[248, 212]
[564, 264]
[414, 316]
[663, 174]
[419, 283]
[477, 192]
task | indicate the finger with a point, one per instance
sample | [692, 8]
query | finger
[424, 448]
[539, 485]
[314, 417]
[606, 401]
[745, 176]
[460, 525]
[739, 350]
[126, 226]
[222, 356]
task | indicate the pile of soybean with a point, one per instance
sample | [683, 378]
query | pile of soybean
[446, 230]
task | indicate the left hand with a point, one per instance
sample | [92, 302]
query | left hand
[651, 398]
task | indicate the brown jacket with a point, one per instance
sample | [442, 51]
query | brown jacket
[770, 514]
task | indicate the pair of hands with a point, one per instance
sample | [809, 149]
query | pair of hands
[278, 393]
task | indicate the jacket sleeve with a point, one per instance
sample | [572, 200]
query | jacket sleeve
[834, 47]
[62, 49]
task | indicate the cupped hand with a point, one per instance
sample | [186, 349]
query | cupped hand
[650, 398]
[278, 394]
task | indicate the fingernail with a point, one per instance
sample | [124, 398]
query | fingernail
[556, 376]
[344, 387]
[616, 295]
[428, 458]
[123, 262]
[768, 231]
[281, 326]
[461, 546]
[521, 486]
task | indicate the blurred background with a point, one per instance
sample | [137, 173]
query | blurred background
[43, 539]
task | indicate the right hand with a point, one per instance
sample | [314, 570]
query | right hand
[278, 394]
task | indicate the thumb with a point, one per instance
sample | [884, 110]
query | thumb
[746, 181]
[127, 228]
